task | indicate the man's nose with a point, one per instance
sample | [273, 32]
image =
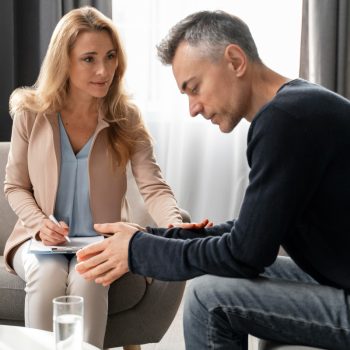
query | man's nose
[195, 108]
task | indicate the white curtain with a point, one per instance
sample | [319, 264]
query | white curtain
[206, 169]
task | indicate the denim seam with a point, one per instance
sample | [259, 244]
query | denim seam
[209, 328]
[243, 313]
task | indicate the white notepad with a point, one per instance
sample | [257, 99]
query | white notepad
[37, 247]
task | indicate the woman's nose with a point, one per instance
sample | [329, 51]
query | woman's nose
[101, 69]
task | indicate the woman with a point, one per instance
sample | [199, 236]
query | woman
[73, 134]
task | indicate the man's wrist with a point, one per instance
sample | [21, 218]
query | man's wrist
[137, 233]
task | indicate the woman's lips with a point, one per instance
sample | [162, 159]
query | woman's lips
[99, 83]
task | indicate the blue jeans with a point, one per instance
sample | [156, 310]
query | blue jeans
[285, 305]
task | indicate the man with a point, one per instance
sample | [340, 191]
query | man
[298, 197]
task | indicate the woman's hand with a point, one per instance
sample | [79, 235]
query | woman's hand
[125, 227]
[52, 234]
[193, 225]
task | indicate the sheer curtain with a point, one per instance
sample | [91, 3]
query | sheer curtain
[207, 169]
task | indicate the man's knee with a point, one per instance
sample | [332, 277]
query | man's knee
[209, 292]
[198, 289]
[214, 287]
[196, 295]
[207, 297]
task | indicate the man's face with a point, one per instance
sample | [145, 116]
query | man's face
[213, 89]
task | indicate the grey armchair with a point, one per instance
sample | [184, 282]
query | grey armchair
[140, 311]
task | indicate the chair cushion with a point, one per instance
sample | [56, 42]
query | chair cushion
[12, 295]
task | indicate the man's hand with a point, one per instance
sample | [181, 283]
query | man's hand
[193, 225]
[107, 261]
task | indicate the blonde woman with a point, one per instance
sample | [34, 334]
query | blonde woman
[73, 134]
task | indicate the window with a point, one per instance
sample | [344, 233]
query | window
[197, 160]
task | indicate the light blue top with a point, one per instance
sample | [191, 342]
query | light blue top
[72, 201]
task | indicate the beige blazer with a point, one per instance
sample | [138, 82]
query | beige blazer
[32, 175]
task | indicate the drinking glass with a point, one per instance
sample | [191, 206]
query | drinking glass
[68, 315]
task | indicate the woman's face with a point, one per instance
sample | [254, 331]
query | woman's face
[93, 62]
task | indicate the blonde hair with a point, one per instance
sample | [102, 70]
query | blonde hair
[49, 93]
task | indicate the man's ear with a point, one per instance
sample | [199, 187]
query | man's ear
[237, 58]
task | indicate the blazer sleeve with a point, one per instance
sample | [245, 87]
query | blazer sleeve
[158, 196]
[17, 186]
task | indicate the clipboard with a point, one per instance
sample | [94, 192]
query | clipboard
[76, 243]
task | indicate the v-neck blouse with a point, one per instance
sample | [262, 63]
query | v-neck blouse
[72, 202]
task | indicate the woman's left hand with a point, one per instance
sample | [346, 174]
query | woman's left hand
[193, 225]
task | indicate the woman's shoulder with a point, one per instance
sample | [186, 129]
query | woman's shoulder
[24, 120]
[20, 101]
[24, 115]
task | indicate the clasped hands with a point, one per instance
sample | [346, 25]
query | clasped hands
[106, 261]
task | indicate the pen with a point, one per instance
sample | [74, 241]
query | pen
[54, 220]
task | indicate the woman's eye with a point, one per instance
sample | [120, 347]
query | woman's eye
[194, 90]
[88, 59]
[111, 56]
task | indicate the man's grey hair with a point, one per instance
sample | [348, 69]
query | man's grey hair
[211, 32]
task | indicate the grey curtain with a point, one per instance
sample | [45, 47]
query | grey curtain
[325, 44]
[25, 30]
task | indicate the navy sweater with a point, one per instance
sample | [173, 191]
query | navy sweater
[298, 197]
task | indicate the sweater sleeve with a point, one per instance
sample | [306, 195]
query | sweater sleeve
[180, 233]
[192, 257]
[284, 174]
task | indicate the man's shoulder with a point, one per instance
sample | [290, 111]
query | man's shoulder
[305, 102]
[303, 96]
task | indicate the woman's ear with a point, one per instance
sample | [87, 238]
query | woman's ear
[236, 57]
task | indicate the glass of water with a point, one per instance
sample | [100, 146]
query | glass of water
[68, 315]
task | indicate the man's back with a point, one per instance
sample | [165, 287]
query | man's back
[299, 146]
